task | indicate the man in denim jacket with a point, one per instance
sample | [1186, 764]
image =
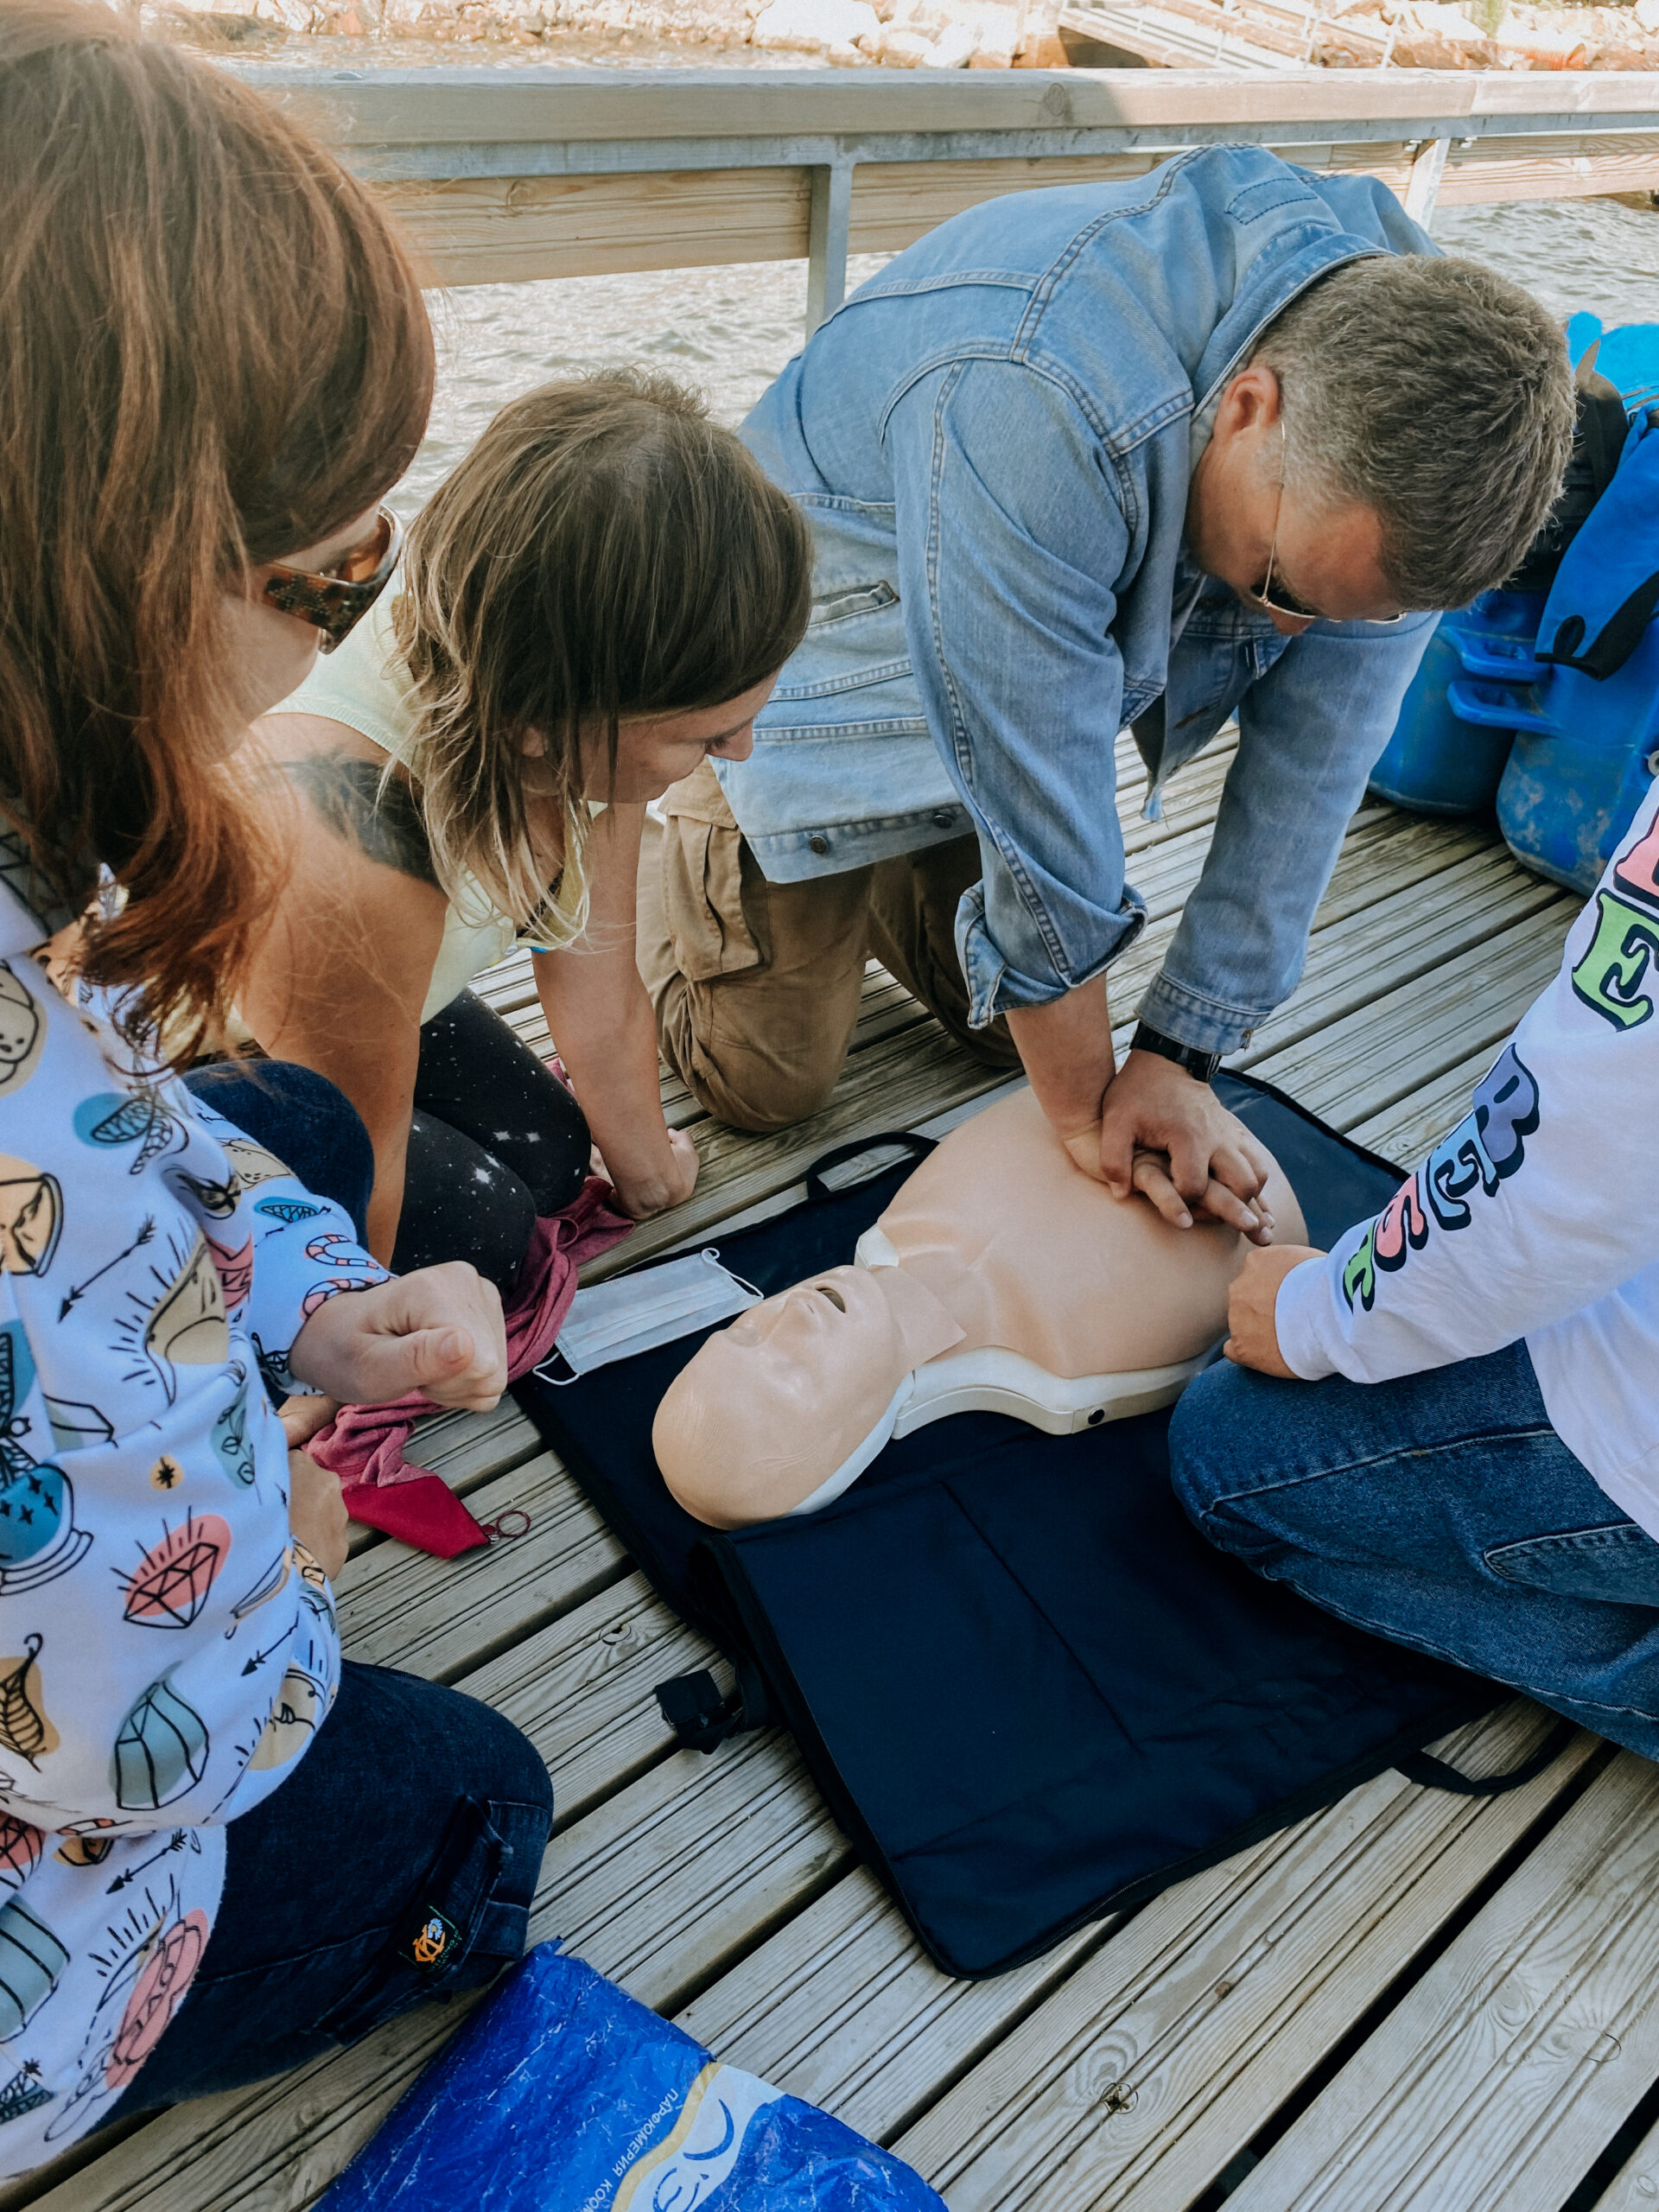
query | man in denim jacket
[1153, 453]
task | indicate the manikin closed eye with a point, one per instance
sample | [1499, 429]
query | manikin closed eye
[998, 1278]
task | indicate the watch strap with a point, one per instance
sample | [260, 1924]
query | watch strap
[1203, 1065]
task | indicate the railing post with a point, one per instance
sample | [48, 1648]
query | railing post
[827, 234]
[1422, 187]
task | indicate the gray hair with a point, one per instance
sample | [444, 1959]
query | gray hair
[1438, 393]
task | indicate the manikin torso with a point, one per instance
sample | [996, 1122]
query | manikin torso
[1000, 1277]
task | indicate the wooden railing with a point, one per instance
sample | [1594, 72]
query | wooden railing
[502, 173]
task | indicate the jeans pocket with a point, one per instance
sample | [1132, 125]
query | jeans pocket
[437, 1947]
[1616, 1565]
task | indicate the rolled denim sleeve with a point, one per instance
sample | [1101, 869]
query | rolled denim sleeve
[1012, 538]
[1310, 731]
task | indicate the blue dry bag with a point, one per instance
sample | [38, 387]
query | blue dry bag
[563, 2094]
[1607, 589]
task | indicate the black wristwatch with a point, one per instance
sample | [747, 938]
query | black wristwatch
[1201, 1065]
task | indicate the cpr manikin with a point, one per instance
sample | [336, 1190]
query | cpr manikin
[1000, 1279]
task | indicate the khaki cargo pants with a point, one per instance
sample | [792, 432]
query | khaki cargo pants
[756, 985]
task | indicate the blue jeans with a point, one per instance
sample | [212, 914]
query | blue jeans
[1440, 1510]
[307, 1121]
[395, 1864]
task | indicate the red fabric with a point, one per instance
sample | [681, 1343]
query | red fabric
[364, 1444]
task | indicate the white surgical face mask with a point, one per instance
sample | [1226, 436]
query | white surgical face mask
[632, 1314]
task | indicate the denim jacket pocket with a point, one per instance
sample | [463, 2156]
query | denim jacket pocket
[1618, 1565]
[843, 605]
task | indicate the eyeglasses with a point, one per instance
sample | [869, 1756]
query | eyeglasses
[336, 602]
[1288, 607]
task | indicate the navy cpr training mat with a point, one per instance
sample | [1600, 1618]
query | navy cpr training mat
[1027, 1689]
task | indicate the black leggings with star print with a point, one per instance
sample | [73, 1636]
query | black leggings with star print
[495, 1139]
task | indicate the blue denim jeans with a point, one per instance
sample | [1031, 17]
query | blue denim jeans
[307, 1121]
[395, 1864]
[1440, 1510]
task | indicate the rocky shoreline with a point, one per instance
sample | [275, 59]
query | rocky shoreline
[889, 33]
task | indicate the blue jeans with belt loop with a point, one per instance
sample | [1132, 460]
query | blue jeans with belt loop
[1440, 1510]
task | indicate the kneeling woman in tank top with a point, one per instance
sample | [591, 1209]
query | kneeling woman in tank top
[599, 598]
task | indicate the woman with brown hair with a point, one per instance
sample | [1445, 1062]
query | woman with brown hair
[220, 1852]
[597, 600]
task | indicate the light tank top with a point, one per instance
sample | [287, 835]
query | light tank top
[366, 685]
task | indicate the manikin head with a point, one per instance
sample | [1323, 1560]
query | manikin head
[997, 1266]
[823, 1361]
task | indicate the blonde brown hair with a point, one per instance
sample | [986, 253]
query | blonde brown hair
[604, 550]
[212, 352]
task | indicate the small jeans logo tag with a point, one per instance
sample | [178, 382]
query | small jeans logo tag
[433, 1940]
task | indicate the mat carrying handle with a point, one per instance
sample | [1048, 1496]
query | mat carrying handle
[910, 1141]
[1435, 1774]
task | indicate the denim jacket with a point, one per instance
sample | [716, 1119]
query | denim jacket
[993, 441]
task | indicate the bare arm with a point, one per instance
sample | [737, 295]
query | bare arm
[602, 1021]
[341, 974]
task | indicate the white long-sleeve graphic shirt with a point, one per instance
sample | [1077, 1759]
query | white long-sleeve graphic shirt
[1538, 1216]
[166, 1651]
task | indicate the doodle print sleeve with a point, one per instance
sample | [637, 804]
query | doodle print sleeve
[1540, 1211]
[166, 1652]
[304, 1247]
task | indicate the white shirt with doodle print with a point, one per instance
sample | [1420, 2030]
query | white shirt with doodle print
[166, 1652]
[1538, 1216]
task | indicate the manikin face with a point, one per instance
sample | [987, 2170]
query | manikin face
[819, 1361]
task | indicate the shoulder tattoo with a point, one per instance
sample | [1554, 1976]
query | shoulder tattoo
[382, 821]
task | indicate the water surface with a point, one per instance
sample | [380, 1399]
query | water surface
[730, 330]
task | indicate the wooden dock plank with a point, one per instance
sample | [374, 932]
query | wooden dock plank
[1404, 936]
[1497, 2081]
[274, 2147]
[720, 1886]
[1408, 1128]
[843, 2007]
[1135, 2083]
[581, 1689]
[402, 1608]
[1385, 1050]
[680, 1874]
[1635, 2187]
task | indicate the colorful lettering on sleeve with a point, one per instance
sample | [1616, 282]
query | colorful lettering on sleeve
[1486, 1147]
[1616, 976]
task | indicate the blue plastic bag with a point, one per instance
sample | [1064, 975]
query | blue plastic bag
[563, 2094]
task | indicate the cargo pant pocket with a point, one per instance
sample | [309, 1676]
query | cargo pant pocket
[702, 882]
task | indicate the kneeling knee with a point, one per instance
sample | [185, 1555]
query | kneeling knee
[761, 1098]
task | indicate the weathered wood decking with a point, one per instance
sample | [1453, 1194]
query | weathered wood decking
[1410, 2000]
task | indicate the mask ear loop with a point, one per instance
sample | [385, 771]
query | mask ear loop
[712, 1252]
[498, 1529]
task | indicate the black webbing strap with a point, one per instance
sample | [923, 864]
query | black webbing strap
[702, 1716]
[1435, 1774]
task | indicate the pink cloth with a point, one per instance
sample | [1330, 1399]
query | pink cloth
[364, 1444]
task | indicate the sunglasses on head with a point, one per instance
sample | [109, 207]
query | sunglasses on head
[337, 601]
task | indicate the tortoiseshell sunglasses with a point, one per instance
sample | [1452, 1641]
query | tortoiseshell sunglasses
[337, 603]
